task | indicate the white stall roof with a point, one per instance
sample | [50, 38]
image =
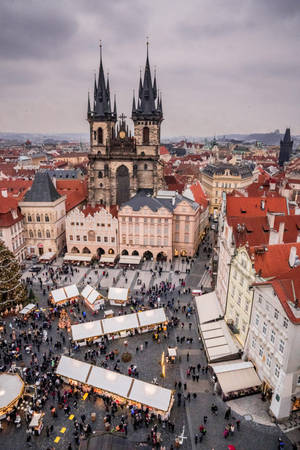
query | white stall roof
[151, 395]
[28, 308]
[208, 307]
[73, 368]
[120, 323]
[11, 386]
[86, 291]
[76, 257]
[86, 330]
[218, 352]
[110, 381]
[172, 351]
[107, 258]
[152, 316]
[215, 342]
[129, 259]
[35, 420]
[58, 295]
[90, 294]
[211, 334]
[115, 293]
[216, 348]
[71, 291]
[47, 256]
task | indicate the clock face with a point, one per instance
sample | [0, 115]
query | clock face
[122, 134]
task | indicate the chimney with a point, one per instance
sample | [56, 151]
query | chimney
[280, 233]
[271, 219]
[4, 193]
[262, 205]
[293, 256]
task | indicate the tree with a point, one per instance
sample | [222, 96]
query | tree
[12, 290]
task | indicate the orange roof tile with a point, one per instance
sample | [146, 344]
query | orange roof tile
[273, 260]
[252, 206]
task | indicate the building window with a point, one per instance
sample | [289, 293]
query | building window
[145, 167]
[276, 313]
[72, 224]
[100, 135]
[235, 274]
[71, 238]
[239, 299]
[146, 135]
[285, 322]
[232, 291]
[241, 280]
[277, 371]
[165, 241]
[257, 320]
[105, 239]
[85, 238]
[98, 239]
[30, 234]
[247, 304]
[253, 343]
[269, 360]
[273, 335]
[261, 351]
[39, 234]
[46, 218]
[112, 239]
[260, 299]
[123, 239]
[48, 234]
[244, 327]
[77, 238]
[264, 329]
[281, 346]
[100, 174]
[38, 218]
[29, 218]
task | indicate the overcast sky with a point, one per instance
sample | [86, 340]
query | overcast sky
[223, 66]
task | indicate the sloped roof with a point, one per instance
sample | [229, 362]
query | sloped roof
[42, 189]
[251, 206]
[273, 261]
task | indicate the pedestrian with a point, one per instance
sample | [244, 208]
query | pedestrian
[238, 424]
[227, 413]
[184, 386]
[196, 438]
[232, 429]
[187, 356]
[225, 433]
[204, 419]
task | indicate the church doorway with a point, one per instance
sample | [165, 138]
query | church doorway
[123, 185]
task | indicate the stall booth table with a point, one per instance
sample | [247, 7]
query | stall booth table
[108, 313]
[172, 354]
[64, 295]
[118, 296]
[77, 259]
[120, 388]
[11, 390]
[47, 257]
[27, 310]
[36, 425]
[108, 260]
[92, 298]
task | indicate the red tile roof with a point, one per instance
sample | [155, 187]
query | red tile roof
[75, 191]
[7, 205]
[252, 206]
[198, 193]
[94, 209]
[163, 150]
[273, 260]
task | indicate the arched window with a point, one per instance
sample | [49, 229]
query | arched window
[46, 218]
[31, 234]
[100, 174]
[48, 234]
[146, 135]
[145, 167]
[39, 233]
[38, 218]
[100, 135]
[29, 218]
[106, 171]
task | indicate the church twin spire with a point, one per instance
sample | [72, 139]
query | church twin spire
[149, 104]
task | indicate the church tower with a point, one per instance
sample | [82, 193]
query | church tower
[121, 165]
[286, 148]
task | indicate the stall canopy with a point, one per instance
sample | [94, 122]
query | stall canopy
[97, 328]
[218, 342]
[11, 388]
[208, 307]
[236, 375]
[108, 258]
[147, 394]
[120, 294]
[35, 420]
[127, 259]
[90, 294]
[76, 257]
[28, 308]
[65, 293]
[47, 256]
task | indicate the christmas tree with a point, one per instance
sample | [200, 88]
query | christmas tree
[64, 320]
[12, 291]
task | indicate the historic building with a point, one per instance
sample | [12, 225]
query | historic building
[121, 165]
[286, 148]
[44, 211]
[12, 227]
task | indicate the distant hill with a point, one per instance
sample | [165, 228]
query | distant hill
[37, 138]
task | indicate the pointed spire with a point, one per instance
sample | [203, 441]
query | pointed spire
[140, 85]
[115, 107]
[102, 108]
[108, 92]
[133, 103]
[89, 107]
[95, 87]
[154, 86]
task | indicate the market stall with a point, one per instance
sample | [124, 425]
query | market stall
[108, 313]
[108, 260]
[11, 390]
[92, 298]
[120, 388]
[64, 294]
[172, 354]
[47, 257]
[118, 296]
[120, 326]
[76, 258]
[129, 260]
[27, 310]
[36, 424]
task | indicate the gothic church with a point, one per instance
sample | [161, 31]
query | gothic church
[121, 165]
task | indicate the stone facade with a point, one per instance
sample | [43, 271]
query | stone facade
[92, 231]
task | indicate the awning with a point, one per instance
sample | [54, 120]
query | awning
[172, 351]
[118, 294]
[120, 323]
[108, 258]
[152, 317]
[151, 395]
[218, 342]
[28, 308]
[47, 256]
[77, 257]
[11, 387]
[127, 259]
[65, 293]
[86, 330]
[236, 375]
[73, 368]
[90, 294]
[208, 307]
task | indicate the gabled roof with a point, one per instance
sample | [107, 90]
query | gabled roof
[42, 189]
[253, 206]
